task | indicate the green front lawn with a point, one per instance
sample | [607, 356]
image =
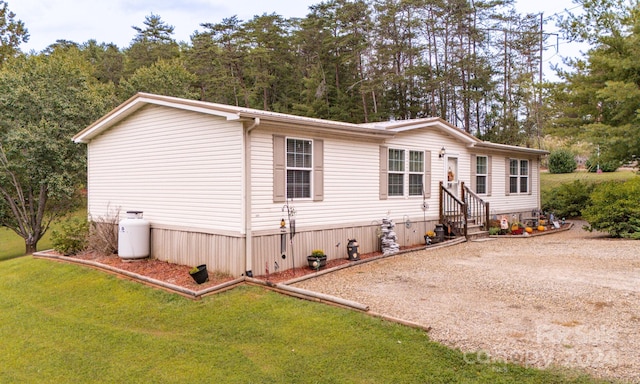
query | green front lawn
[64, 323]
[12, 245]
[549, 181]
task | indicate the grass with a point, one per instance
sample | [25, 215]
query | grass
[549, 181]
[65, 323]
[12, 245]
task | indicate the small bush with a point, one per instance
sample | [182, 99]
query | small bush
[605, 166]
[567, 200]
[562, 161]
[72, 237]
[615, 208]
[103, 236]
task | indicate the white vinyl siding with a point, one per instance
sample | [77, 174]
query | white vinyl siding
[350, 184]
[355, 178]
[169, 164]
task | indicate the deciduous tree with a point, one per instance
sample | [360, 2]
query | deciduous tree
[45, 100]
[599, 99]
[12, 33]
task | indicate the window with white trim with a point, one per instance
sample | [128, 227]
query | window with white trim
[524, 176]
[416, 173]
[299, 168]
[482, 174]
[518, 176]
[396, 172]
[405, 167]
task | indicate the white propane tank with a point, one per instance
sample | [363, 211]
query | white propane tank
[133, 236]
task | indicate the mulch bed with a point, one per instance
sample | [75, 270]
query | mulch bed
[290, 274]
[177, 274]
[156, 269]
[535, 232]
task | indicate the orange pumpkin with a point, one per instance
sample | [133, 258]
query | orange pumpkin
[528, 229]
[540, 228]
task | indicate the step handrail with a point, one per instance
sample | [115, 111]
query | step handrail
[452, 212]
[477, 208]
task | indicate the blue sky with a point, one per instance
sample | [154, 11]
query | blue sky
[111, 21]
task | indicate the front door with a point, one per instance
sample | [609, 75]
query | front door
[451, 174]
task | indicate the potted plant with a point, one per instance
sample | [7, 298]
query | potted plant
[317, 259]
[199, 273]
[517, 229]
[429, 237]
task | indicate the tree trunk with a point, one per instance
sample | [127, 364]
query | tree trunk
[30, 246]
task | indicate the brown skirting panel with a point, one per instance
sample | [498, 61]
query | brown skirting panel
[226, 253]
[220, 252]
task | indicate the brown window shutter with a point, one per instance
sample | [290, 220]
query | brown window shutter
[474, 172]
[489, 172]
[384, 177]
[506, 177]
[279, 170]
[529, 181]
[318, 170]
[427, 174]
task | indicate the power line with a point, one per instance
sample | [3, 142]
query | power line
[561, 12]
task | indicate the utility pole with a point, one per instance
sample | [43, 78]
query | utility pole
[539, 117]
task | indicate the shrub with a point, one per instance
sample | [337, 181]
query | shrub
[103, 236]
[72, 237]
[605, 166]
[615, 208]
[317, 253]
[494, 231]
[567, 200]
[562, 161]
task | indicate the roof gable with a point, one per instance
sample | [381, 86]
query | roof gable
[226, 111]
[378, 130]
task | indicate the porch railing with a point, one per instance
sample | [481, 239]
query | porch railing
[452, 212]
[477, 209]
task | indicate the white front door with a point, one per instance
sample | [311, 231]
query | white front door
[451, 174]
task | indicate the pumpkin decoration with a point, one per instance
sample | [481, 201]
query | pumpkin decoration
[528, 229]
[540, 228]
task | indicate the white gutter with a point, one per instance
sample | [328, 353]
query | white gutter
[248, 249]
[510, 148]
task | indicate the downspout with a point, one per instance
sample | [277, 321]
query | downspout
[248, 249]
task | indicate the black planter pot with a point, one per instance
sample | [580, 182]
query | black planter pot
[317, 262]
[201, 275]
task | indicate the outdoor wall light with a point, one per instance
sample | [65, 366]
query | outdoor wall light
[442, 153]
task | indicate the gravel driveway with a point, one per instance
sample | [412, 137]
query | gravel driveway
[570, 299]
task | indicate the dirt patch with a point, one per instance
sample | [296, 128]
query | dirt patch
[160, 270]
[305, 270]
[570, 299]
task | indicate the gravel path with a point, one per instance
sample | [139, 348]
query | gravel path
[570, 299]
